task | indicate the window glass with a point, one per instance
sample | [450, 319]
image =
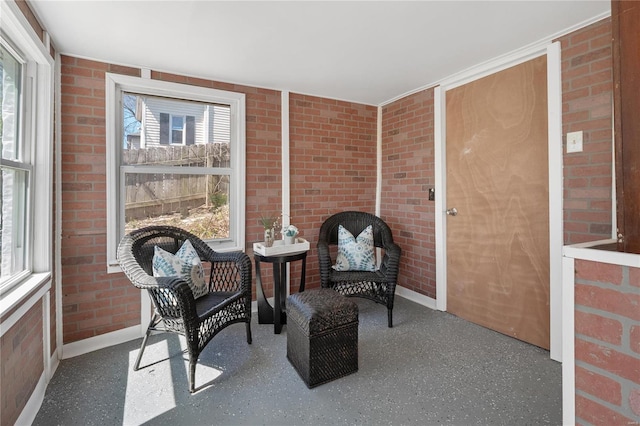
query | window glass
[198, 203]
[10, 70]
[154, 192]
[177, 128]
[15, 173]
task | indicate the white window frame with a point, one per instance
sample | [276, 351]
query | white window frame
[116, 84]
[37, 141]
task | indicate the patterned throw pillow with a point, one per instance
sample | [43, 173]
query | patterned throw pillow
[185, 264]
[355, 254]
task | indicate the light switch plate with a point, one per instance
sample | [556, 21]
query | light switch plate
[574, 142]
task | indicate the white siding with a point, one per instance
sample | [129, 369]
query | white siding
[154, 106]
[220, 123]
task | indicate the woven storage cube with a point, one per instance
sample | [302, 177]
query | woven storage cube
[322, 335]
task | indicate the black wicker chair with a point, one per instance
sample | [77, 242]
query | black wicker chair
[379, 286]
[175, 309]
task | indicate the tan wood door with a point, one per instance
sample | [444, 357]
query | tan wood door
[497, 180]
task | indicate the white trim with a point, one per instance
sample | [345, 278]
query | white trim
[586, 251]
[440, 159]
[101, 341]
[554, 106]
[472, 70]
[416, 297]
[114, 85]
[46, 334]
[286, 171]
[58, 203]
[614, 193]
[568, 345]
[18, 297]
[378, 165]
[556, 203]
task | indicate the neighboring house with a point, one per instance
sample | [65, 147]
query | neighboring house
[171, 122]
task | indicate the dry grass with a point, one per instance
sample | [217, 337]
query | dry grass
[205, 222]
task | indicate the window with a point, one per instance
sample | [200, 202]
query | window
[25, 138]
[178, 160]
[16, 170]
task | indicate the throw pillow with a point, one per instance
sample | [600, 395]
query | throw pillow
[185, 264]
[355, 254]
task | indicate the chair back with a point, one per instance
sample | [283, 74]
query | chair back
[355, 222]
[137, 248]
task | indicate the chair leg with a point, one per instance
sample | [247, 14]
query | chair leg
[192, 374]
[154, 321]
[249, 340]
[390, 317]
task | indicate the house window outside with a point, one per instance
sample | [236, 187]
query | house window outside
[187, 169]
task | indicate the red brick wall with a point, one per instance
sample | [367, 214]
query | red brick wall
[332, 165]
[93, 301]
[21, 349]
[407, 175]
[587, 99]
[607, 343]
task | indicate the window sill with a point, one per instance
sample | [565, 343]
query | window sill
[14, 300]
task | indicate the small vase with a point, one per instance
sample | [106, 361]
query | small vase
[289, 240]
[268, 237]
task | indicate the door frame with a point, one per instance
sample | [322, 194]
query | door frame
[556, 230]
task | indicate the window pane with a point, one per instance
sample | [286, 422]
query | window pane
[177, 125]
[10, 70]
[147, 126]
[197, 203]
[12, 226]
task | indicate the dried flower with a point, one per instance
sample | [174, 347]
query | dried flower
[269, 222]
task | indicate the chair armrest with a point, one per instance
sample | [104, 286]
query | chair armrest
[325, 261]
[391, 260]
[172, 298]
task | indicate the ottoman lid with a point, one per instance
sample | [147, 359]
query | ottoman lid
[321, 309]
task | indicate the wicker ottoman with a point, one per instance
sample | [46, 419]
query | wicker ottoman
[322, 335]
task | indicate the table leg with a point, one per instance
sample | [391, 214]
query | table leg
[304, 274]
[279, 279]
[265, 311]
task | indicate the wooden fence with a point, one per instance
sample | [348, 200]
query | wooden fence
[154, 194]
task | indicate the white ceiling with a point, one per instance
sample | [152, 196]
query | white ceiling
[361, 51]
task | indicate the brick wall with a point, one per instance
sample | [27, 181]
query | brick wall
[607, 343]
[22, 364]
[332, 165]
[407, 175]
[587, 100]
[93, 301]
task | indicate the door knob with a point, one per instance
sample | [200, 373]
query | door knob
[452, 212]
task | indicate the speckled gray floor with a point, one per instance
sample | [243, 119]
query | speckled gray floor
[431, 368]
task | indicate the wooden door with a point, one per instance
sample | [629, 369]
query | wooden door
[497, 180]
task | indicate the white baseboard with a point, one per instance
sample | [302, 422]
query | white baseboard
[91, 344]
[420, 299]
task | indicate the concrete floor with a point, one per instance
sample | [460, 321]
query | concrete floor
[430, 368]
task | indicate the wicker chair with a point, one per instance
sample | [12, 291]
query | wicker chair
[175, 309]
[379, 286]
